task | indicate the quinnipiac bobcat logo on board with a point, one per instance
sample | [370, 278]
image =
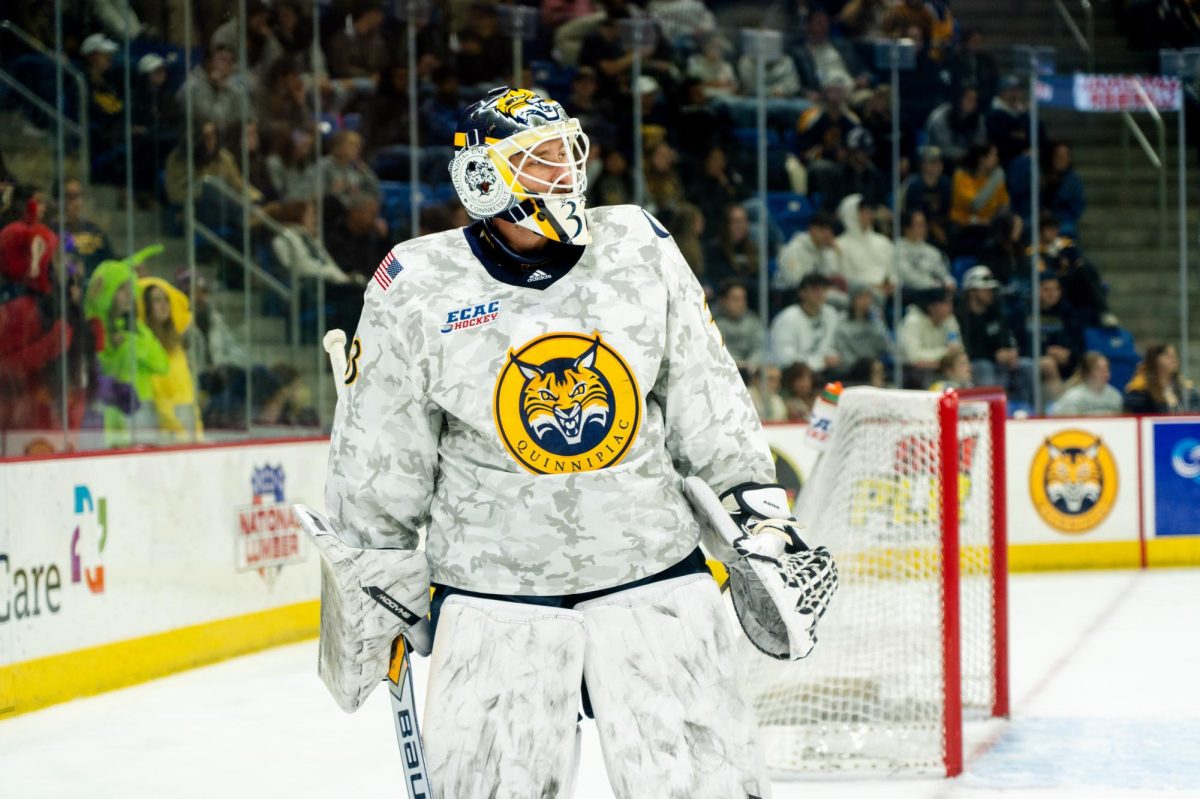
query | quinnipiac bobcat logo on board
[566, 402]
[1073, 481]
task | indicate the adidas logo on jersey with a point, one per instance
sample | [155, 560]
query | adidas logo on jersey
[537, 276]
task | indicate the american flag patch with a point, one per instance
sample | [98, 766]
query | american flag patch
[387, 271]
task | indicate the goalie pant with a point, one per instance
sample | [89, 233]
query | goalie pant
[658, 662]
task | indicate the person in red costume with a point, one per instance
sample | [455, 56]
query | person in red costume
[30, 339]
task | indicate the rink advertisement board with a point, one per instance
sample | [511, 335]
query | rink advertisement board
[1171, 464]
[1073, 491]
[181, 557]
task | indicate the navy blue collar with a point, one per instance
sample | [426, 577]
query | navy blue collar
[552, 263]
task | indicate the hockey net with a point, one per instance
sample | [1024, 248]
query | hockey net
[915, 637]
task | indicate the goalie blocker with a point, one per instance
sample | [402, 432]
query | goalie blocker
[780, 587]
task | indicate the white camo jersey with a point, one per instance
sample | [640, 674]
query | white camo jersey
[541, 434]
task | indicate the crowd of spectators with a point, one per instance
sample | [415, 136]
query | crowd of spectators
[961, 266]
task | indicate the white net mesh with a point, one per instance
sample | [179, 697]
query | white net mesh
[871, 696]
[975, 565]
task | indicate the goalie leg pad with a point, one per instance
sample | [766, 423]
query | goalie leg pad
[662, 679]
[503, 699]
[368, 598]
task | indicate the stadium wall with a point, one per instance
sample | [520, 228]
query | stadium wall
[117, 568]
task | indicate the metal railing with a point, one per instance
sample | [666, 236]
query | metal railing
[1085, 37]
[288, 293]
[79, 128]
[1156, 156]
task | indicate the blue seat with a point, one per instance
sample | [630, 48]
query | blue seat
[790, 211]
[960, 265]
[1116, 344]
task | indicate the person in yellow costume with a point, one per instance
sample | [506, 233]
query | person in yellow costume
[165, 310]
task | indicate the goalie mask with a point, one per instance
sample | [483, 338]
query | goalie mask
[520, 158]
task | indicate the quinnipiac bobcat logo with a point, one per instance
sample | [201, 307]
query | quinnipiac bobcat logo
[1073, 481]
[566, 402]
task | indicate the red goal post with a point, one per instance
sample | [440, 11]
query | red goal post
[908, 496]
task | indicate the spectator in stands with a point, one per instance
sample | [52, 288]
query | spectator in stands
[258, 171]
[925, 86]
[712, 68]
[385, 117]
[863, 19]
[1156, 386]
[344, 174]
[866, 372]
[131, 357]
[974, 66]
[867, 256]
[822, 130]
[861, 333]
[439, 111]
[906, 14]
[262, 48]
[855, 174]
[1008, 119]
[780, 77]
[209, 159]
[678, 19]
[764, 388]
[1081, 283]
[664, 188]
[922, 266]
[156, 123]
[954, 371]
[716, 187]
[292, 166]
[359, 50]
[595, 115]
[217, 343]
[700, 123]
[805, 331]
[31, 339]
[1088, 392]
[987, 338]
[165, 310]
[929, 191]
[604, 52]
[356, 235]
[741, 329]
[1062, 190]
[87, 243]
[813, 251]
[614, 186]
[687, 228]
[1062, 334]
[484, 52]
[216, 96]
[106, 111]
[956, 126]
[734, 254]
[799, 391]
[1004, 251]
[875, 111]
[821, 57]
[285, 99]
[927, 333]
[298, 250]
[978, 195]
[291, 22]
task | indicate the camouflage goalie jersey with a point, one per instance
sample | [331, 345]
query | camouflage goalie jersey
[539, 427]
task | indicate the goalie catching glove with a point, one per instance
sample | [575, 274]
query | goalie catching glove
[780, 587]
[369, 597]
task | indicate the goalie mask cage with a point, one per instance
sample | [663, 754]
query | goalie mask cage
[909, 498]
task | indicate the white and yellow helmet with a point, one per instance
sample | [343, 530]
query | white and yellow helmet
[495, 165]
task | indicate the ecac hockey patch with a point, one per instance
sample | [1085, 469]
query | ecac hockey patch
[471, 316]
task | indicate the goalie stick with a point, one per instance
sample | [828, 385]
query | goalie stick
[400, 682]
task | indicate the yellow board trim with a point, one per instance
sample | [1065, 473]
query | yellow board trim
[36, 684]
[1090, 555]
[1173, 551]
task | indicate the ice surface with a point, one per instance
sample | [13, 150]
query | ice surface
[1105, 689]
